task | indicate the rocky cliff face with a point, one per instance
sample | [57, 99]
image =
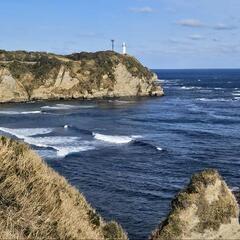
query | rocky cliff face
[26, 76]
[37, 203]
[205, 210]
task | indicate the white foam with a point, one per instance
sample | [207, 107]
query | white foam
[120, 102]
[213, 99]
[237, 93]
[114, 139]
[161, 80]
[19, 113]
[65, 107]
[189, 88]
[66, 126]
[159, 149]
[31, 112]
[64, 151]
[25, 132]
[234, 189]
[63, 145]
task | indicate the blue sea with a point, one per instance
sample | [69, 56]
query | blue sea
[131, 156]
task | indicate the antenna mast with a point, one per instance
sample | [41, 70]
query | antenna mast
[113, 41]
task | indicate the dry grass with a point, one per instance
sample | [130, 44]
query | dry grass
[37, 203]
[210, 215]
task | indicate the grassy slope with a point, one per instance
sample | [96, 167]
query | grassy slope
[40, 65]
[37, 203]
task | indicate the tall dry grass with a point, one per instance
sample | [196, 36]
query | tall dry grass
[37, 203]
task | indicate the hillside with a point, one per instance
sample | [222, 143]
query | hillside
[37, 203]
[26, 76]
[206, 209]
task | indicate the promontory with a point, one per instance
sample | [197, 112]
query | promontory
[27, 76]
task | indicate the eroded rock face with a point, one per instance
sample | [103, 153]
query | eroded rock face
[36, 76]
[206, 209]
[11, 89]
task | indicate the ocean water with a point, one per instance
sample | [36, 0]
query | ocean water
[131, 156]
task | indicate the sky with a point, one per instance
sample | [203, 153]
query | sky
[160, 33]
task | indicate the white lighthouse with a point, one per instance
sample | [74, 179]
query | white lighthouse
[124, 48]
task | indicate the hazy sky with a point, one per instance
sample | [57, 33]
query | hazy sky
[161, 33]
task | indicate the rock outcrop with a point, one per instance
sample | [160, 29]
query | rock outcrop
[37, 203]
[26, 76]
[205, 210]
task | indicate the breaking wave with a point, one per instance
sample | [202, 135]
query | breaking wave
[214, 99]
[115, 139]
[66, 107]
[22, 133]
[19, 113]
[189, 88]
[63, 145]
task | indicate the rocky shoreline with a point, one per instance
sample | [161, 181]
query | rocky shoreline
[30, 76]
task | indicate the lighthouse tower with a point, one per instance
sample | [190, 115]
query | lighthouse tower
[124, 48]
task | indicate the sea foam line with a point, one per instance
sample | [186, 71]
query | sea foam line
[63, 145]
[115, 139]
[19, 113]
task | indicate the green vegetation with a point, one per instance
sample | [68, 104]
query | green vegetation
[107, 60]
[21, 56]
[40, 70]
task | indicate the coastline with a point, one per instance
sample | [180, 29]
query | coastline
[77, 76]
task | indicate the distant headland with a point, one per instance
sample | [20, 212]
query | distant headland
[27, 76]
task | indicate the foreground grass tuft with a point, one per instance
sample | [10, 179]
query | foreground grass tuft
[37, 203]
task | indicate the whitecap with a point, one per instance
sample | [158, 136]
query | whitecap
[213, 99]
[190, 88]
[63, 145]
[64, 151]
[159, 149]
[22, 133]
[114, 139]
[31, 112]
[161, 80]
[120, 102]
[66, 107]
[19, 113]
[234, 189]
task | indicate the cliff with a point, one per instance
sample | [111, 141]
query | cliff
[26, 76]
[205, 210]
[37, 203]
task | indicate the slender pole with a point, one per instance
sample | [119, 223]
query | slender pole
[112, 44]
